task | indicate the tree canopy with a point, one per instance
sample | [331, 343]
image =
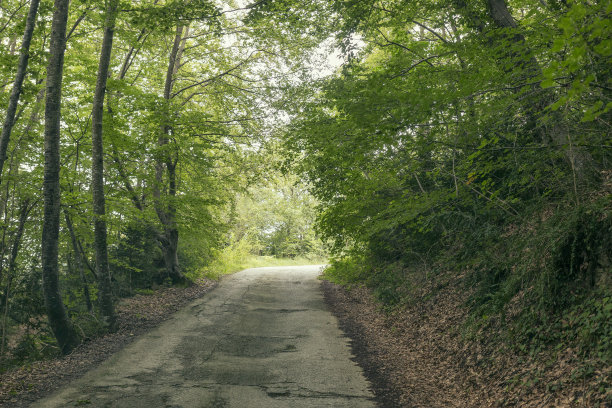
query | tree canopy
[164, 111]
[425, 136]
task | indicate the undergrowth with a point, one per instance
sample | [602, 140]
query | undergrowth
[536, 288]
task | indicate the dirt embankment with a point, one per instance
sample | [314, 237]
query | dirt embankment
[416, 357]
[136, 315]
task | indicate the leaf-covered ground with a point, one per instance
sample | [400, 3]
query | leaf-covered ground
[136, 315]
[416, 357]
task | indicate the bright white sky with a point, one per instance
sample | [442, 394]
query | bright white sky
[327, 59]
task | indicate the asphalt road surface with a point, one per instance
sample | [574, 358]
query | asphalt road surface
[262, 338]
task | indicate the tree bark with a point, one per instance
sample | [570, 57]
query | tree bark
[498, 10]
[166, 163]
[24, 56]
[59, 322]
[105, 297]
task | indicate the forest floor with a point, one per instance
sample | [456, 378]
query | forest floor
[416, 357]
[136, 315]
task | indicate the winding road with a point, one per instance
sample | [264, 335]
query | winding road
[262, 338]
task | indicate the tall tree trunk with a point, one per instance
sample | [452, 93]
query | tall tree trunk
[59, 322]
[24, 56]
[125, 66]
[105, 297]
[166, 163]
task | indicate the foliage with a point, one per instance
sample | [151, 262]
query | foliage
[583, 42]
[232, 258]
[239, 256]
[272, 224]
[277, 216]
[206, 135]
[463, 136]
[456, 138]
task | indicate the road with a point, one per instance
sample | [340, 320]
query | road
[262, 338]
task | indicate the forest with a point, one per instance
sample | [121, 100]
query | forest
[416, 143]
[135, 144]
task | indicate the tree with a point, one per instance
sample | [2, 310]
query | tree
[105, 297]
[182, 127]
[61, 325]
[166, 163]
[453, 123]
[24, 56]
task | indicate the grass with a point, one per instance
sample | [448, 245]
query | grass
[262, 261]
[239, 256]
[228, 266]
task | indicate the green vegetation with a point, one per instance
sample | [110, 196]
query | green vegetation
[457, 137]
[472, 137]
[156, 116]
[231, 261]
[272, 225]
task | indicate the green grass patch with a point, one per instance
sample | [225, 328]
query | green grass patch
[218, 269]
[238, 256]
